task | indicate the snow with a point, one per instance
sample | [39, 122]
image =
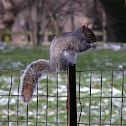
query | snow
[16, 64]
[62, 98]
[120, 66]
[115, 91]
[115, 47]
[109, 64]
[94, 79]
[84, 89]
[62, 89]
[10, 64]
[2, 92]
[3, 45]
[3, 101]
[6, 79]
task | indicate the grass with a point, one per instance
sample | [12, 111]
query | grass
[102, 59]
[52, 88]
[20, 57]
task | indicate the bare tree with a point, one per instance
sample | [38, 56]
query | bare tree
[45, 15]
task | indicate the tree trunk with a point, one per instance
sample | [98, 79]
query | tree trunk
[115, 19]
[38, 37]
[72, 22]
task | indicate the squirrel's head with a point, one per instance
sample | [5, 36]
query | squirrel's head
[89, 35]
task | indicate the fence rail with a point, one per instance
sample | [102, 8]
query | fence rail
[100, 99]
[47, 36]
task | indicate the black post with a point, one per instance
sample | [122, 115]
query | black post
[71, 104]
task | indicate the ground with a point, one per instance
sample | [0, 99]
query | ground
[50, 108]
[107, 57]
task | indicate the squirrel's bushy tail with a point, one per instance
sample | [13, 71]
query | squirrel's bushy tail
[30, 78]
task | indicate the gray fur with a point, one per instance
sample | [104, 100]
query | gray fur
[63, 51]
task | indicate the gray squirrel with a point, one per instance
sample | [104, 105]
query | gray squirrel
[64, 49]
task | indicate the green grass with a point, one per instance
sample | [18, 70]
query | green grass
[19, 58]
[102, 59]
[60, 86]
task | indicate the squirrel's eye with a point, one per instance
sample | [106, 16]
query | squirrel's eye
[89, 33]
[82, 39]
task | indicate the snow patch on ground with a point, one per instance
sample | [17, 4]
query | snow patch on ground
[3, 45]
[17, 64]
[96, 79]
[8, 64]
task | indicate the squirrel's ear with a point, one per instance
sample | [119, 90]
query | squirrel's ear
[83, 28]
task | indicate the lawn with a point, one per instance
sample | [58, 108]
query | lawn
[89, 83]
[19, 57]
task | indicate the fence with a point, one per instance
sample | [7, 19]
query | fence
[48, 36]
[100, 97]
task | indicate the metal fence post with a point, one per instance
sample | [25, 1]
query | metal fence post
[71, 96]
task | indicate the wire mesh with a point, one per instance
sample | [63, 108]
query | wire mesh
[101, 99]
[102, 96]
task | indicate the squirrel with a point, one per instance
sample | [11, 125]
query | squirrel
[64, 49]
